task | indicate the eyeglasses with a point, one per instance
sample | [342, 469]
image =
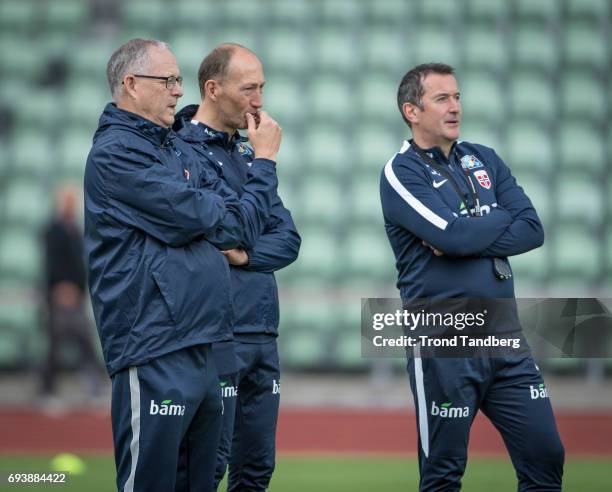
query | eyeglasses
[170, 81]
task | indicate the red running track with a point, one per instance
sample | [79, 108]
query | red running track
[300, 431]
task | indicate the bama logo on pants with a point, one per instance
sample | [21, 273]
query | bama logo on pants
[166, 408]
[228, 391]
[275, 387]
[446, 410]
[538, 392]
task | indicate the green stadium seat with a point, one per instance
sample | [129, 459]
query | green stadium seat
[66, 16]
[582, 147]
[580, 198]
[486, 48]
[26, 203]
[290, 156]
[245, 15]
[286, 50]
[85, 104]
[240, 35]
[331, 98]
[533, 265]
[74, 147]
[375, 145]
[21, 58]
[326, 150]
[190, 48]
[535, 47]
[319, 252]
[385, 49]
[347, 12]
[482, 97]
[488, 10]
[592, 9]
[40, 109]
[196, 17]
[439, 11]
[18, 15]
[20, 255]
[296, 12]
[575, 253]
[529, 147]
[145, 15]
[585, 45]
[34, 155]
[533, 96]
[334, 51]
[608, 255]
[377, 96]
[321, 200]
[283, 100]
[302, 350]
[18, 328]
[368, 253]
[434, 43]
[90, 59]
[347, 354]
[542, 11]
[389, 12]
[537, 188]
[583, 97]
[365, 201]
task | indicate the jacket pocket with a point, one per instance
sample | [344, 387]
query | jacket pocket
[164, 290]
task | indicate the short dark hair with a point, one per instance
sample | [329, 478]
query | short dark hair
[214, 66]
[411, 87]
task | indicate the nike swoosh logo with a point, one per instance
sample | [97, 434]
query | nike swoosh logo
[437, 184]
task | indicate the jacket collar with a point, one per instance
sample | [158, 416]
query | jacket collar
[114, 116]
[196, 131]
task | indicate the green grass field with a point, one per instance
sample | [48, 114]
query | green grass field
[337, 474]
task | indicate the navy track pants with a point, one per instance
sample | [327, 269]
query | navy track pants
[510, 392]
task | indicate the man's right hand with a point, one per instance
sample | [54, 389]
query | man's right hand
[265, 138]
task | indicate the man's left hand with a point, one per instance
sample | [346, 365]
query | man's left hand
[435, 251]
[236, 256]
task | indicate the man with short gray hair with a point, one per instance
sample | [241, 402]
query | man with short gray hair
[155, 223]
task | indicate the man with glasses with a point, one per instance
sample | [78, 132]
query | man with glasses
[155, 223]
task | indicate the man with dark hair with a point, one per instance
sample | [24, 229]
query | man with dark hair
[231, 82]
[154, 224]
[453, 214]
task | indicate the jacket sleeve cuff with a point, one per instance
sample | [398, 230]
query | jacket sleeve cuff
[266, 162]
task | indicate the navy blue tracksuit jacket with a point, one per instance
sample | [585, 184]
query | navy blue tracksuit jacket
[254, 287]
[157, 280]
[420, 204]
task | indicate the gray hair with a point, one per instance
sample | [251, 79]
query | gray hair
[131, 57]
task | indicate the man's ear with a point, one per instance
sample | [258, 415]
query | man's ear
[129, 85]
[411, 112]
[211, 89]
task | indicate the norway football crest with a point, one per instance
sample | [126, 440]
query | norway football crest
[483, 179]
